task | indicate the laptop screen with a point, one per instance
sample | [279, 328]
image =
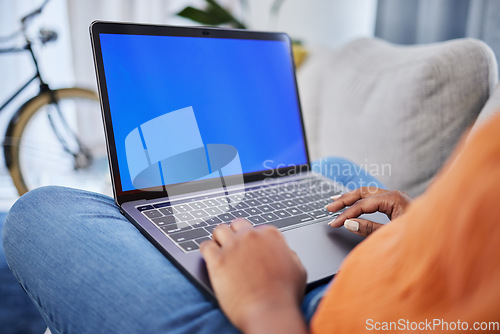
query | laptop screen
[183, 108]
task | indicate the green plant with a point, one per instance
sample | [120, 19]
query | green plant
[214, 14]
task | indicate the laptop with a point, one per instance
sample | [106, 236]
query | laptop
[204, 125]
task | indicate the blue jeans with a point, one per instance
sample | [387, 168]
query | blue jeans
[88, 269]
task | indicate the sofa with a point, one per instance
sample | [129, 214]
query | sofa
[398, 111]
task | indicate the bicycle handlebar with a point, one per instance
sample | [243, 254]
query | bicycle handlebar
[34, 13]
[46, 36]
[24, 22]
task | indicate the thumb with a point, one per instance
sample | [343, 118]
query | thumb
[361, 227]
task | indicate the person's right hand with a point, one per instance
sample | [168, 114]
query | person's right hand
[367, 200]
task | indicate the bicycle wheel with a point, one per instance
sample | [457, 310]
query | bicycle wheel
[42, 139]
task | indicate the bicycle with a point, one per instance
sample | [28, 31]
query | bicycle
[47, 140]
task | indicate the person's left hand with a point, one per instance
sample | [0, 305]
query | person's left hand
[255, 275]
[367, 200]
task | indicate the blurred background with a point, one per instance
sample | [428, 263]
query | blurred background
[317, 24]
[68, 62]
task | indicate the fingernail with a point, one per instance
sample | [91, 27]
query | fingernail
[351, 225]
[331, 223]
[326, 207]
[335, 197]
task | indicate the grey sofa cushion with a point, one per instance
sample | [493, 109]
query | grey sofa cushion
[396, 110]
[491, 108]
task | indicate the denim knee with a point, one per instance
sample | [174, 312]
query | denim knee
[20, 224]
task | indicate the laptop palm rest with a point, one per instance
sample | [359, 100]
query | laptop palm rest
[322, 248]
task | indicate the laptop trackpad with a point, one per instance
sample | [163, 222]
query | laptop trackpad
[322, 248]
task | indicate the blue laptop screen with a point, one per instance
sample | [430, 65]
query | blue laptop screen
[184, 107]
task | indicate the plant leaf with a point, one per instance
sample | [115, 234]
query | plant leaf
[216, 9]
[201, 16]
[214, 14]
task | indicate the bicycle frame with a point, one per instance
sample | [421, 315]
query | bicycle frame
[43, 86]
[82, 155]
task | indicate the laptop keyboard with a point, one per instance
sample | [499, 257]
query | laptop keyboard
[285, 205]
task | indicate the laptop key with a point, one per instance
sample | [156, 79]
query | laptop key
[174, 228]
[264, 200]
[145, 207]
[213, 221]
[153, 213]
[306, 207]
[265, 208]
[210, 229]
[270, 216]
[253, 211]
[240, 214]
[250, 195]
[289, 203]
[197, 223]
[318, 205]
[200, 240]
[236, 198]
[180, 208]
[300, 200]
[222, 200]
[211, 202]
[252, 202]
[318, 214]
[162, 205]
[278, 206]
[189, 235]
[226, 217]
[276, 198]
[293, 211]
[167, 211]
[199, 214]
[184, 216]
[282, 214]
[165, 220]
[213, 211]
[189, 245]
[224, 207]
[290, 221]
[197, 205]
[256, 220]
[241, 205]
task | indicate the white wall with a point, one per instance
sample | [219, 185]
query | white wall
[326, 23]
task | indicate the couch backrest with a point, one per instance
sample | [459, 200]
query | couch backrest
[491, 108]
[396, 110]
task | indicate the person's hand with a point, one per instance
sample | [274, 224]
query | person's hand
[367, 200]
[258, 280]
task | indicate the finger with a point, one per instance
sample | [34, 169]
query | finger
[366, 205]
[209, 250]
[222, 233]
[240, 224]
[361, 227]
[352, 197]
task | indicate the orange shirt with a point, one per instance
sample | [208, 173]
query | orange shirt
[438, 263]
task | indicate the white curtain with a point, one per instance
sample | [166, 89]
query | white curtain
[82, 13]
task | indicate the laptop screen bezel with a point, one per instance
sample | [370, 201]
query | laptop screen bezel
[100, 27]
